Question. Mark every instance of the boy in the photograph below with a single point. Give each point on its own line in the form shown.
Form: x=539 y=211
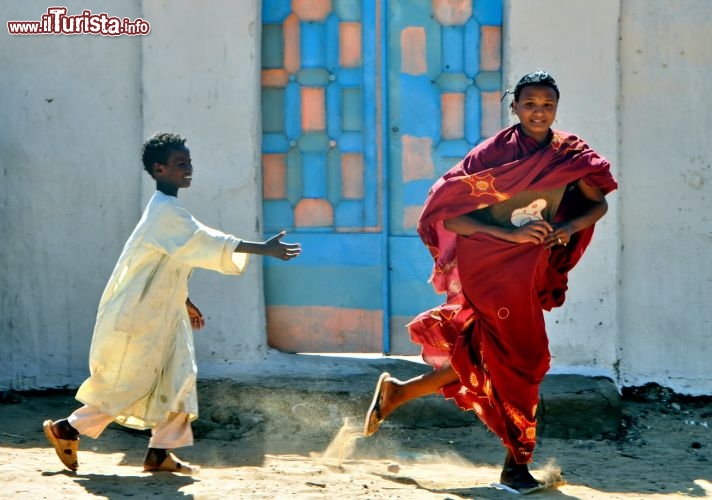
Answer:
x=142 y=361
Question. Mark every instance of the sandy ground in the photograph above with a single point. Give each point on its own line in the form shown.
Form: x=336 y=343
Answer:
x=664 y=450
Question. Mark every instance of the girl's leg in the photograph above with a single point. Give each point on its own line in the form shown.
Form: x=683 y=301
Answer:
x=392 y=393
x=395 y=392
x=516 y=475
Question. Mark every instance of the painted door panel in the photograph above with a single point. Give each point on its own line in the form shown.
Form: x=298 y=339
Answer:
x=444 y=80
x=321 y=175
x=365 y=103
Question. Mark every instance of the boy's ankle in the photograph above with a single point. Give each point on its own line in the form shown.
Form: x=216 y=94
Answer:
x=63 y=430
x=155 y=456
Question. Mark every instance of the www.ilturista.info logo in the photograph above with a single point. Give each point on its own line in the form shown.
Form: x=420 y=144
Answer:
x=57 y=22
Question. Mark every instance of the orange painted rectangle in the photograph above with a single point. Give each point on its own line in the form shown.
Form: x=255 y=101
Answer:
x=453 y=115
x=491 y=114
x=311 y=10
x=292 y=54
x=324 y=329
x=274 y=169
x=313 y=212
x=490 y=48
x=413 y=51
x=274 y=78
x=452 y=12
x=313 y=109
x=352 y=176
x=411 y=216
x=417 y=158
x=350 y=45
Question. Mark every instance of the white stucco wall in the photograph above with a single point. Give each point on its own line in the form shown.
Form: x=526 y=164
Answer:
x=75 y=110
x=666 y=215
x=583 y=58
x=633 y=79
x=70 y=123
x=201 y=78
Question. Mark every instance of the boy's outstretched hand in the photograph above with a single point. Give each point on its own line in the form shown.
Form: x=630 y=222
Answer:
x=275 y=247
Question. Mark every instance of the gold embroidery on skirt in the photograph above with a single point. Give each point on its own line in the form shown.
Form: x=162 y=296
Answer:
x=478 y=408
x=488 y=388
x=530 y=433
x=526 y=426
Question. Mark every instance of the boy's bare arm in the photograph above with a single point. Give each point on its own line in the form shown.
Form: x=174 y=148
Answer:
x=273 y=247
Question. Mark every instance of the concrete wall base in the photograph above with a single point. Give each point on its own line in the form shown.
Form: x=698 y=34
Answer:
x=321 y=390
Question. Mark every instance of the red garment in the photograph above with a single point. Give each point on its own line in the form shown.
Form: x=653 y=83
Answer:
x=491 y=329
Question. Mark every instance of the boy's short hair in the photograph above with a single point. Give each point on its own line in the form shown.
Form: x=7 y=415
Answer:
x=156 y=149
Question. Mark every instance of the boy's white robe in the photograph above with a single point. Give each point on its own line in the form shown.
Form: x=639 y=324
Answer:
x=142 y=360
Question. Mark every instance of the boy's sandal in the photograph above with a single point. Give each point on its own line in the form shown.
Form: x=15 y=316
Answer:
x=66 y=449
x=171 y=464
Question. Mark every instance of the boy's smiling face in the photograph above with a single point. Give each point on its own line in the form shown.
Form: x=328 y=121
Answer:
x=176 y=173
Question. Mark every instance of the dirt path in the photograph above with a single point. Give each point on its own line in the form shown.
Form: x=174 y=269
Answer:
x=665 y=451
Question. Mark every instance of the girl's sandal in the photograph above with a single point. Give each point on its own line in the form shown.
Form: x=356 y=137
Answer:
x=373 y=415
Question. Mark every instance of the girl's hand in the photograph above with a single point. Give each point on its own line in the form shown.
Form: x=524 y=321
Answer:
x=274 y=247
x=196 y=317
x=537 y=232
x=561 y=235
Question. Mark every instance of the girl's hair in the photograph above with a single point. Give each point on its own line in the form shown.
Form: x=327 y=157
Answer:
x=157 y=148
x=536 y=78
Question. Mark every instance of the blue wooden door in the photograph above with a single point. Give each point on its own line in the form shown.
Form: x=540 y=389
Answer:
x=444 y=86
x=364 y=104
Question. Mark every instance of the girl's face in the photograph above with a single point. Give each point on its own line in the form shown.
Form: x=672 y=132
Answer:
x=536 y=109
